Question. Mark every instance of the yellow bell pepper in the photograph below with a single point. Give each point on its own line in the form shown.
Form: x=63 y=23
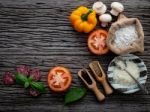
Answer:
x=83 y=19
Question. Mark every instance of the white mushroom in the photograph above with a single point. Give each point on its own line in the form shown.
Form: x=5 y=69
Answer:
x=117 y=8
x=105 y=19
x=99 y=8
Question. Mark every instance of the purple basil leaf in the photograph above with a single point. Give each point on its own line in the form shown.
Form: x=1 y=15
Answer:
x=34 y=92
x=35 y=74
x=8 y=78
x=23 y=70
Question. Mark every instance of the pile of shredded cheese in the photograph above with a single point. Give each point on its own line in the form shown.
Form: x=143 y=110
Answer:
x=122 y=77
x=125 y=36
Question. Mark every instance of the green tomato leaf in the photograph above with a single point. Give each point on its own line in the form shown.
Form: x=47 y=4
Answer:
x=21 y=79
x=38 y=86
x=75 y=94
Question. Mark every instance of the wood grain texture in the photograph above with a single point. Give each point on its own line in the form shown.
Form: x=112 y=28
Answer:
x=37 y=33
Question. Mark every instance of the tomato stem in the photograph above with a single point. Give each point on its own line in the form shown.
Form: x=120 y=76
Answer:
x=84 y=17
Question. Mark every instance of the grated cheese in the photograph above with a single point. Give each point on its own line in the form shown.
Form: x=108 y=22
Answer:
x=122 y=77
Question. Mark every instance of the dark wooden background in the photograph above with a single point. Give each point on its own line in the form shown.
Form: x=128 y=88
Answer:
x=37 y=33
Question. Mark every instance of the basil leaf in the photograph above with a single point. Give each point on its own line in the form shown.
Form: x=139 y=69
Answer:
x=21 y=79
x=75 y=94
x=26 y=85
x=30 y=79
x=38 y=86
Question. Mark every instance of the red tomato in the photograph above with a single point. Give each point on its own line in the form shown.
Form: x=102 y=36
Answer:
x=97 y=42
x=59 y=79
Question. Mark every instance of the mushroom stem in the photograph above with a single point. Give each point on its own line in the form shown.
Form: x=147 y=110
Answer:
x=117 y=8
x=104 y=24
x=114 y=12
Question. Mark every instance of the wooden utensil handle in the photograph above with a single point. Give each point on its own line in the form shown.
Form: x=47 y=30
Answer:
x=107 y=88
x=100 y=96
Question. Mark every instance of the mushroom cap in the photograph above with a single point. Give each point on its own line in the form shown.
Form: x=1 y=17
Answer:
x=99 y=7
x=117 y=6
x=105 y=18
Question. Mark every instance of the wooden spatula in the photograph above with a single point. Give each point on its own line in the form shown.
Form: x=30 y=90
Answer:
x=90 y=83
x=100 y=76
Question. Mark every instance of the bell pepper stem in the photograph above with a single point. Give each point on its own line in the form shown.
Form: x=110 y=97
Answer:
x=84 y=17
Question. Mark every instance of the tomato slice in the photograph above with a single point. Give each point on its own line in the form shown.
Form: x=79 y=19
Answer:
x=59 y=79
x=97 y=42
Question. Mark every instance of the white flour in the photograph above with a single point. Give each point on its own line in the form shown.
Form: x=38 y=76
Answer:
x=125 y=36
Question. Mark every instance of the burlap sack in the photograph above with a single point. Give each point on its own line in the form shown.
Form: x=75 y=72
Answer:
x=136 y=46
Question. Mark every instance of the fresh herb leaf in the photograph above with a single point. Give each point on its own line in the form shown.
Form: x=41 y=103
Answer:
x=38 y=86
x=75 y=94
x=21 y=79
x=26 y=85
x=30 y=79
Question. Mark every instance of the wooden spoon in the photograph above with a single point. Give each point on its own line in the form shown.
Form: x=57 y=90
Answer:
x=100 y=76
x=90 y=83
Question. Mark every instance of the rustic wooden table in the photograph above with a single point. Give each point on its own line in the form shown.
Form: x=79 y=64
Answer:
x=37 y=33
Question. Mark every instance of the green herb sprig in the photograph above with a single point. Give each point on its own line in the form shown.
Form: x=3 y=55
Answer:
x=28 y=82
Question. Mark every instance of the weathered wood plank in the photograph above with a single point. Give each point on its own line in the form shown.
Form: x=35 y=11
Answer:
x=37 y=33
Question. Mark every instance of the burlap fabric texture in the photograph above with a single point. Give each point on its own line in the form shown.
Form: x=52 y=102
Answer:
x=136 y=46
